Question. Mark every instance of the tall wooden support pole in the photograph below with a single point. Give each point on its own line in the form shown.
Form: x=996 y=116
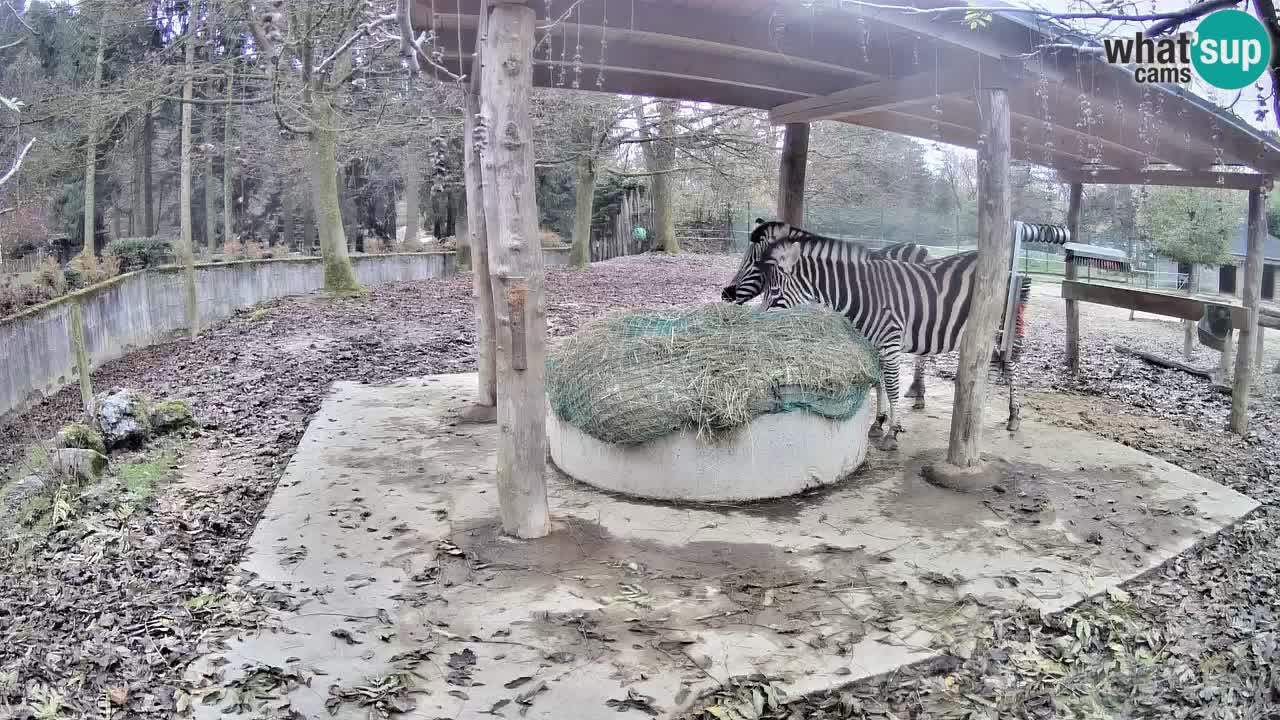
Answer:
x=1252 y=296
x=964 y=451
x=516 y=270
x=791 y=172
x=481 y=290
x=1072 y=272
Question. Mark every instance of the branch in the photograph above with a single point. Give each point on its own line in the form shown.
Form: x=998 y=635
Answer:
x=17 y=163
x=408 y=48
x=620 y=173
x=1187 y=14
x=362 y=31
x=1027 y=11
x=1267 y=13
x=219 y=101
x=275 y=101
x=18 y=16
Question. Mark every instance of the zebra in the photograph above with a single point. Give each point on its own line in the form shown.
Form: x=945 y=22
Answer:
x=1023 y=234
x=919 y=308
x=748 y=284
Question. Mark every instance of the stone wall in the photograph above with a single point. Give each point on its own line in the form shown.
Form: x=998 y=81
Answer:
x=141 y=308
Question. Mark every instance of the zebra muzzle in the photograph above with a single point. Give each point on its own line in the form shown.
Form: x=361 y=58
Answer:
x=729 y=294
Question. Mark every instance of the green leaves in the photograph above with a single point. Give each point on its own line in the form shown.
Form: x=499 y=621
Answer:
x=1190 y=225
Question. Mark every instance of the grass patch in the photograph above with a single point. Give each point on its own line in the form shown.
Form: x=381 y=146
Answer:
x=258 y=315
x=141 y=477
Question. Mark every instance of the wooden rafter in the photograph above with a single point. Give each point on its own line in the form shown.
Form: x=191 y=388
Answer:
x=1177 y=178
x=895 y=92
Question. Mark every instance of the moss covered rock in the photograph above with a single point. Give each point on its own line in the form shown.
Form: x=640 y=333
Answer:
x=124 y=417
x=171 y=415
x=79 y=464
x=79 y=435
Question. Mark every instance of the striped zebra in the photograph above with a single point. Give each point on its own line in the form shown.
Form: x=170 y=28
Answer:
x=1023 y=234
x=748 y=284
x=914 y=307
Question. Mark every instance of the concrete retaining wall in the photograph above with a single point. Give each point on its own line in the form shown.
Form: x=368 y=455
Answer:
x=142 y=308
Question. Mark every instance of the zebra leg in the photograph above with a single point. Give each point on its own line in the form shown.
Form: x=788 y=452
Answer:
x=917 y=383
x=1010 y=368
x=882 y=404
x=889 y=380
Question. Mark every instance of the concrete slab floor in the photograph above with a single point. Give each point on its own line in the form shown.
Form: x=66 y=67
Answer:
x=384 y=529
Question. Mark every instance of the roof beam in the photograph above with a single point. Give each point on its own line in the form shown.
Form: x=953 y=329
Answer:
x=1176 y=178
x=895 y=92
x=953 y=134
x=752 y=37
x=625 y=81
x=632 y=54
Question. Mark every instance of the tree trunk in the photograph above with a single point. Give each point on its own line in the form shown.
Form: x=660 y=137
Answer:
x=91 y=148
x=964 y=450
x=481 y=289
x=309 y=231
x=286 y=210
x=186 y=249
x=137 y=217
x=584 y=197
x=412 y=215
x=339 y=275
x=791 y=173
x=228 y=164
x=664 y=152
x=210 y=207
x=1251 y=297
x=149 y=219
x=510 y=204
x=1074 y=204
x=1189 y=326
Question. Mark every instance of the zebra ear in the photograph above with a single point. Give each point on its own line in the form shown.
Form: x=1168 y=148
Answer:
x=786 y=254
x=759 y=221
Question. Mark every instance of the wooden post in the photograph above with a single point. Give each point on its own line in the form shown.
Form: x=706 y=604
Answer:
x=1225 y=359
x=516 y=267
x=1189 y=326
x=81 y=348
x=1261 y=349
x=791 y=172
x=481 y=291
x=964 y=451
x=1072 y=272
x=1252 y=296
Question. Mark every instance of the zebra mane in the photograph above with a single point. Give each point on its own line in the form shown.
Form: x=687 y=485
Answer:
x=900 y=252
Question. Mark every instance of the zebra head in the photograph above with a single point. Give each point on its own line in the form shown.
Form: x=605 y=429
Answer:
x=777 y=271
x=749 y=281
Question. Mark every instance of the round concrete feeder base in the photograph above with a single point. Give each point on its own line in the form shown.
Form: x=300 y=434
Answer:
x=774 y=456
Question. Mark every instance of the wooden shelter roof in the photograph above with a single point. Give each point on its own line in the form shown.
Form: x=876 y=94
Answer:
x=913 y=73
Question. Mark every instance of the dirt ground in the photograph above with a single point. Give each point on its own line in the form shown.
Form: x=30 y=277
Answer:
x=1194 y=639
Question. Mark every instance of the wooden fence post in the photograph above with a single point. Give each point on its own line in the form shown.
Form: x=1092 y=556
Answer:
x=516 y=268
x=481 y=291
x=991 y=277
x=791 y=173
x=81 y=348
x=1073 y=308
x=1251 y=296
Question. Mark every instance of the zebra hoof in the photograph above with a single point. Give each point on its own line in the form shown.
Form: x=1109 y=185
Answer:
x=889 y=444
x=1013 y=424
x=875 y=431
x=918 y=404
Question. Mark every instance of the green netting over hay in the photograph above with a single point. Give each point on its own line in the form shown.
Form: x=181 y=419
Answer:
x=636 y=376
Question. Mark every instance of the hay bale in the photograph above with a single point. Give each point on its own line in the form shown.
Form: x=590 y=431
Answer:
x=637 y=376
